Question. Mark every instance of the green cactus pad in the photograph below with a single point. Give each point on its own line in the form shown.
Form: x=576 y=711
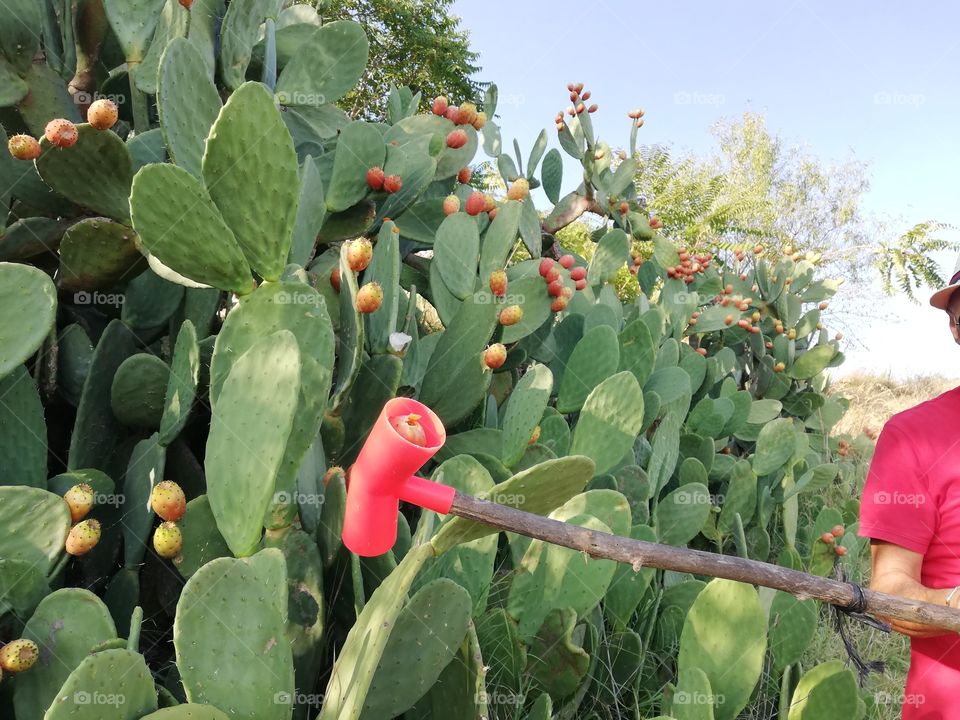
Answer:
x=311 y=212
x=638 y=352
x=251 y=173
x=385 y=270
x=173 y=24
x=456 y=379
x=28 y=303
x=48 y=99
x=248 y=435
x=503 y=652
x=350 y=335
x=376 y=383
x=827 y=692
x=693 y=698
x=539 y=490
x=35 y=522
x=776 y=444
x=359 y=148
x=95 y=173
x=136 y=395
x=681 y=514
x=188 y=103
x=460 y=691
x=23 y=431
x=238 y=36
x=792 y=625
x=202 y=542
x=326 y=67
x=628 y=585
x=119 y=674
x=422 y=642
x=354 y=670
x=182 y=385
x=524 y=409
x=740 y=497
x=595 y=357
x=133 y=22
x=557 y=662
x=725 y=636
x=30 y=237
x=330 y=528
x=97 y=253
x=20 y=22
x=455 y=253
x=66 y=626
x=609 y=421
x=224 y=592
x=144 y=470
x=158 y=202
x=188 y=711
x=500 y=237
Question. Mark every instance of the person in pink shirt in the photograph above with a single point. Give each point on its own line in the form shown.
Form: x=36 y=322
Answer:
x=911 y=513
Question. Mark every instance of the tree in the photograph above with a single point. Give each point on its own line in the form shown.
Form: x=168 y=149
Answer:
x=418 y=43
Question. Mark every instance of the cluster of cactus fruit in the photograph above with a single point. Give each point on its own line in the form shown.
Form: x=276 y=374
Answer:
x=209 y=291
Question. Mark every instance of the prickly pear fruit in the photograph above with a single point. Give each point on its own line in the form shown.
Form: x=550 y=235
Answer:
x=369 y=298
x=186 y=3
x=102 y=114
x=331 y=473
x=359 y=254
x=840 y=550
x=392 y=183
x=168 y=501
x=546 y=265
x=79 y=499
x=410 y=429
x=519 y=190
x=464 y=175
x=24 y=147
x=558 y=305
x=375 y=178
x=535 y=436
x=511 y=315
x=480 y=120
x=495 y=355
x=440 y=105
x=828 y=538
x=567 y=261
x=578 y=273
x=335 y=279
x=451 y=113
x=83 y=537
x=655 y=223
x=61 y=133
x=498 y=283
x=581 y=284
x=451 y=205
x=18 y=655
x=837 y=531
x=555 y=288
x=476 y=203
x=457 y=139
x=167 y=540
x=466 y=114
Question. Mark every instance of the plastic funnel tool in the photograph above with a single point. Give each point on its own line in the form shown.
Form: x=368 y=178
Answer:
x=383 y=475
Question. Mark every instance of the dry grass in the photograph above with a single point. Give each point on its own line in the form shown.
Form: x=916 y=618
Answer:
x=874 y=398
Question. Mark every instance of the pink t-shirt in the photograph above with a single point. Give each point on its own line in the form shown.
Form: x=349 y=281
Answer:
x=912 y=499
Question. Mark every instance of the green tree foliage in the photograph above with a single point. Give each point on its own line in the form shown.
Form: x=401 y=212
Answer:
x=418 y=43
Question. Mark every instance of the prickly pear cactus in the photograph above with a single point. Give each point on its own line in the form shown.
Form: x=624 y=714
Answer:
x=182 y=299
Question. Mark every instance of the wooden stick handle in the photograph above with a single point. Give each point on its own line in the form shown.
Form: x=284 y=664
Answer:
x=639 y=553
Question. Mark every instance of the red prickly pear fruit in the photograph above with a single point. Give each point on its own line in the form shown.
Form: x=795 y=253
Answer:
x=332 y=473
x=586 y=96
x=581 y=284
x=593 y=108
x=457 y=138
x=779 y=367
x=702 y=351
x=578 y=273
x=511 y=315
x=546 y=265
x=519 y=190
x=489 y=203
x=624 y=207
x=451 y=113
x=80 y=500
x=359 y=254
x=375 y=178
x=656 y=223
x=840 y=550
x=567 y=261
x=555 y=288
x=392 y=183
x=580 y=108
x=837 y=530
x=498 y=283
x=728 y=320
x=559 y=304
x=476 y=203
x=451 y=205
x=335 y=279
x=534 y=436
x=553 y=274
x=83 y=537
x=491 y=214
x=745 y=324
x=167 y=540
x=410 y=429
x=24 y=147
x=61 y=133
x=440 y=105
x=828 y=538
x=369 y=298
x=463 y=177
x=18 y=655
x=495 y=356
x=567 y=293
x=168 y=501
x=186 y=3
x=466 y=114
x=578 y=87
x=102 y=114
x=480 y=120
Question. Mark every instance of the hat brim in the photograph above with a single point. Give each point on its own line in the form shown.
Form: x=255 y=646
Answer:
x=941 y=298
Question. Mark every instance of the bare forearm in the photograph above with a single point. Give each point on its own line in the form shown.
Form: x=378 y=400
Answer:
x=900 y=583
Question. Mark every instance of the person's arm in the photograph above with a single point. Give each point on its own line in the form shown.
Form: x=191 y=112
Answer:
x=896 y=571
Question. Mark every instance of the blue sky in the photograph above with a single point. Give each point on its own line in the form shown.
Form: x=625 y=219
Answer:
x=877 y=82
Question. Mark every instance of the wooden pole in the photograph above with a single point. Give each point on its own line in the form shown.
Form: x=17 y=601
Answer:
x=639 y=553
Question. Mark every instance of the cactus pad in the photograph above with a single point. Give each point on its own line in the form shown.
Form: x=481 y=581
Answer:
x=23 y=431
x=97 y=253
x=28 y=303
